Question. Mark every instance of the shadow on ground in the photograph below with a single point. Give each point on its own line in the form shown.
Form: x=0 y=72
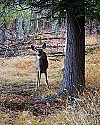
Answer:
x=22 y=97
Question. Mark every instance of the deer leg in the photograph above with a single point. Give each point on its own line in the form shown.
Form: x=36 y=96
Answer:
x=46 y=79
x=38 y=79
x=37 y=82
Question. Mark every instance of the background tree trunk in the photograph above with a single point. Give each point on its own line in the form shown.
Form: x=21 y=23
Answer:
x=90 y=26
x=19 y=29
x=37 y=22
x=26 y=28
x=2 y=36
x=74 y=67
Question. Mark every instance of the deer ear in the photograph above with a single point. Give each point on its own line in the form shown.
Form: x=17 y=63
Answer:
x=33 y=48
x=44 y=46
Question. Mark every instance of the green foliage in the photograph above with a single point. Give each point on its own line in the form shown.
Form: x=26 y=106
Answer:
x=41 y=42
x=92 y=9
x=12 y=9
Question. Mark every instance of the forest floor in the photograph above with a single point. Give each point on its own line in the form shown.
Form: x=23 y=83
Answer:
x=22 y=104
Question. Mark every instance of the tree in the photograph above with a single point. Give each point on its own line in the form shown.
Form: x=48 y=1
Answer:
x=74 y=66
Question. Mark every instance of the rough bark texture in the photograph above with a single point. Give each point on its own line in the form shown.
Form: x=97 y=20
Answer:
x=74 y=67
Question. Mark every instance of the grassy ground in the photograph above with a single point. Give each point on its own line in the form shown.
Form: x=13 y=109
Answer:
x=18 y=97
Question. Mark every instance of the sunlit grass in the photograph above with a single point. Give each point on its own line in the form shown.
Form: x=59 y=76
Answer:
x=92 y=68
x=17 y=70
x=91 y=39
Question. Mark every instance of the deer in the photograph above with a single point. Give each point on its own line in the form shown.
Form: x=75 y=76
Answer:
x=41 y=63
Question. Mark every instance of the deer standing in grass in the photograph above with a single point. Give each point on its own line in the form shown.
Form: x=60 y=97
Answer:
x=41 y=63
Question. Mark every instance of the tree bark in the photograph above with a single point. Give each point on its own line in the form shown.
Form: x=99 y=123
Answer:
x=74 y=65
x=2 y=35
x=26 y=28
x=18 y=29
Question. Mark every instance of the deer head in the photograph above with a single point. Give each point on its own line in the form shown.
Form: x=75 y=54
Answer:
x=39 y=50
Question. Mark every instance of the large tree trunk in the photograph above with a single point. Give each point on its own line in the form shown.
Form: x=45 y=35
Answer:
x=74 y=67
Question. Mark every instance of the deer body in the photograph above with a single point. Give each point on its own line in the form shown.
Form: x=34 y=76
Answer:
x=41 y=63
